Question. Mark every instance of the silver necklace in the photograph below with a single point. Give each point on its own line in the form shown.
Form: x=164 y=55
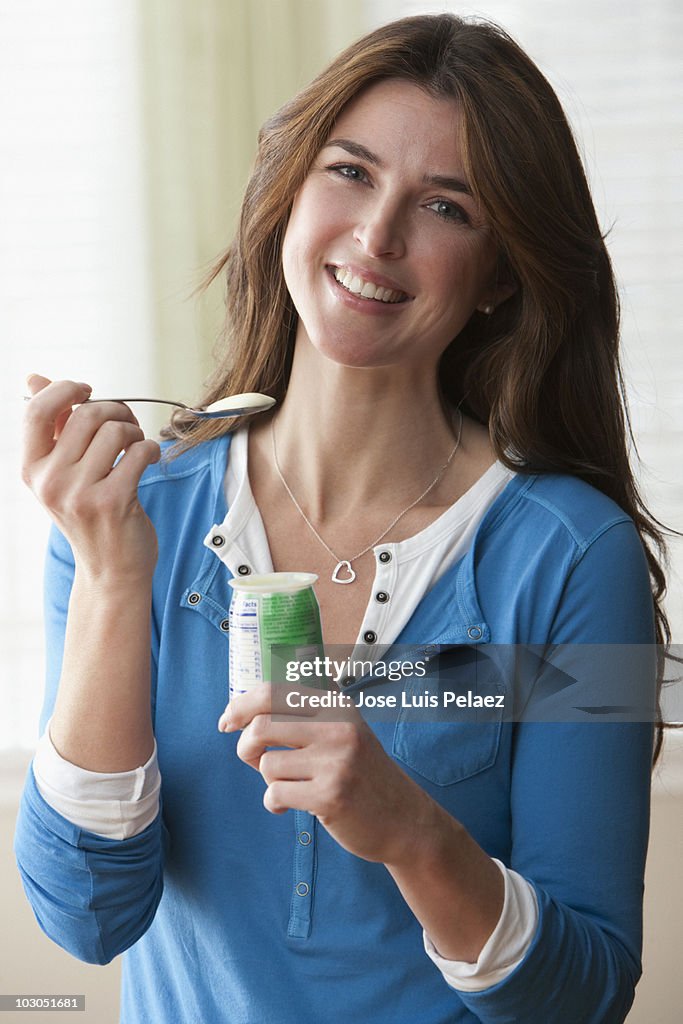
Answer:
x=344 y=564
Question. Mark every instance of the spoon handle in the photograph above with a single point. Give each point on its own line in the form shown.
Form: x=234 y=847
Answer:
x=158 y=401
x=225 y=408
x=224 y=413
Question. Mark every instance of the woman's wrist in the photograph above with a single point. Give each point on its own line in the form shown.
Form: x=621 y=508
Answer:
x=112 y=582
x=453 y=887
x=432 y=831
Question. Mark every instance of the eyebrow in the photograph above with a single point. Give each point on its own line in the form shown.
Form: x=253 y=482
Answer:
x=363 y=153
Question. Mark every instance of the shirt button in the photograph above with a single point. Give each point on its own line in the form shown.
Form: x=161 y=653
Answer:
x=302 y=889
x=385 y=556
x=370 y=636
x=225 y=625
x=194 y=598
x=304 y=838
x=474 y=633
x=347 y=680
x=381 y=596
x=243 y=570
x=218 y=541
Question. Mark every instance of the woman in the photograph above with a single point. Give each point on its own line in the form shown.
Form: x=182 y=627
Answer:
x=420 y=280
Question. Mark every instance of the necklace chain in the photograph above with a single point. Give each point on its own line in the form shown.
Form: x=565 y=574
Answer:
x=344 y=564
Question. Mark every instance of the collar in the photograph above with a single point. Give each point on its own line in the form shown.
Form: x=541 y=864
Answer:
x=453 y=600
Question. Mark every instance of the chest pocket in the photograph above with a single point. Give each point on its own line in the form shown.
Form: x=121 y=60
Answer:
x=453 y=739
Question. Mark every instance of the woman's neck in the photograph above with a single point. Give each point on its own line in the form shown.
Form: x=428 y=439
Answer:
x=347 y=438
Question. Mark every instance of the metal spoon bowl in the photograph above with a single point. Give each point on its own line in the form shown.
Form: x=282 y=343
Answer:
x=225 y=408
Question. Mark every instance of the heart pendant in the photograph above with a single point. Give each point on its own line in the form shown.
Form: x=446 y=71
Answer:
x=343 y=566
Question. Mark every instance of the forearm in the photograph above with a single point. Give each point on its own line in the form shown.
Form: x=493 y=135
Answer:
x=102 y=716
x=452 y=886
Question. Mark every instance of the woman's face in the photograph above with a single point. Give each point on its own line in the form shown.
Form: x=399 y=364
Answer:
x=386 y=254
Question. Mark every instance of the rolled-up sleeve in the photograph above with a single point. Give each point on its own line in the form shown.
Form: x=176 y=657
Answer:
x=91 y=895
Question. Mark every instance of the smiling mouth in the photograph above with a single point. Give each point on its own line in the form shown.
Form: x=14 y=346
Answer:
x=366 y=289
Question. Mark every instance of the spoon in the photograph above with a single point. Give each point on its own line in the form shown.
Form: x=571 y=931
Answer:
x=235 y=405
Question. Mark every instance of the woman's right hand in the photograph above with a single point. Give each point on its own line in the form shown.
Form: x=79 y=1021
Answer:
x=68 y=462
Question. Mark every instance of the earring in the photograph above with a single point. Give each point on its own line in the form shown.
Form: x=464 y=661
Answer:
x=488 y=308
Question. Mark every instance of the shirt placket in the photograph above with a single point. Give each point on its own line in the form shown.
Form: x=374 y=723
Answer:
x=303 y=879
x=299 y=924
x=378 y=610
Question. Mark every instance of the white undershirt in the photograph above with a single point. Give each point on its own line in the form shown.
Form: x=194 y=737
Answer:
x=119 y=805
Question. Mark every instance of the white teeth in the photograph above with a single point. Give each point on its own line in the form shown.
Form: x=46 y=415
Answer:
x=365 y=289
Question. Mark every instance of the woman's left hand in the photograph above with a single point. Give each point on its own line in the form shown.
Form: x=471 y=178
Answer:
x=334 y=768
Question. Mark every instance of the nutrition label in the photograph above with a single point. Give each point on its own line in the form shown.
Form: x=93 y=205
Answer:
x=246 y=663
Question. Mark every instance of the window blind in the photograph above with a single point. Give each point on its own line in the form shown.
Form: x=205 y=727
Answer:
x=73 y=269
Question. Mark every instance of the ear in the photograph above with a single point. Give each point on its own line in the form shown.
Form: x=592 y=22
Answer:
x=502 y=285
x=498 y=295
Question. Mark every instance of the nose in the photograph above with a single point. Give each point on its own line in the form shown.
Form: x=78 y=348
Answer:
x=379 y=230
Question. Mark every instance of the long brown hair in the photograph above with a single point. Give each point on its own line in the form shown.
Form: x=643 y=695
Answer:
x=543 y=370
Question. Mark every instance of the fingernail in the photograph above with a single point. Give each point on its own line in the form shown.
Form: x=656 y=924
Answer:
x=87 y=387
x=225 y=721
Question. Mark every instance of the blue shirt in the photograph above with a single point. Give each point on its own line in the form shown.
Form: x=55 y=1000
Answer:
x=231 y=914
